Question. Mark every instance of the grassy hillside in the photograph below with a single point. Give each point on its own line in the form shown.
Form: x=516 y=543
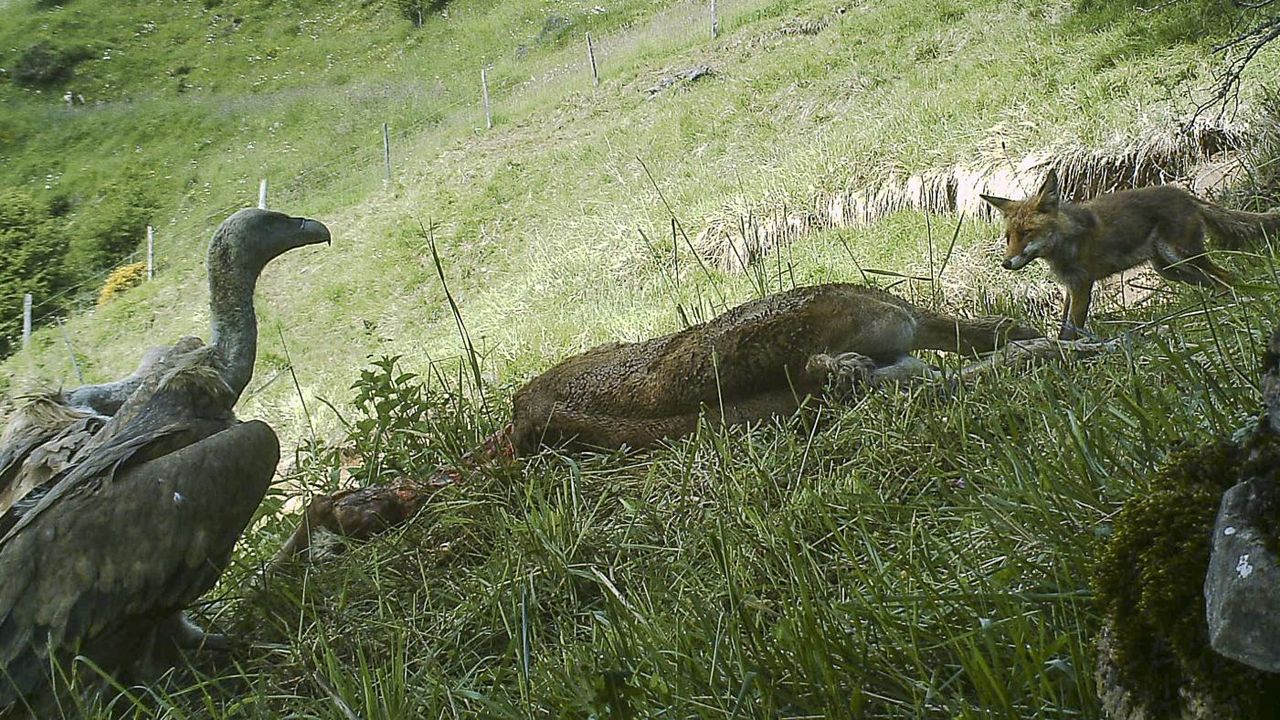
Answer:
x=542 y=215
x=913 y=557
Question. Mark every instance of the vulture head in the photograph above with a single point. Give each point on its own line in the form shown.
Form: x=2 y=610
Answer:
x=241 y=247
x=127 y=520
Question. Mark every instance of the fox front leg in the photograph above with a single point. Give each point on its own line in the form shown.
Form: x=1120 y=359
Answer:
x=1076 y=311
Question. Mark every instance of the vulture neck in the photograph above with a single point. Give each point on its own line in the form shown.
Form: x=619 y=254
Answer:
x=234 y=325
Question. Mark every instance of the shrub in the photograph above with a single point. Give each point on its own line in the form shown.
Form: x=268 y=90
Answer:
x=32 y=250
x=395 y=410
x=44 y=64
x=121 y=279
x=415 y=10
x=110 y=226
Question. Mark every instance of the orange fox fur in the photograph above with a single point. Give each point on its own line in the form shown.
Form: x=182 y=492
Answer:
x=1086 y=242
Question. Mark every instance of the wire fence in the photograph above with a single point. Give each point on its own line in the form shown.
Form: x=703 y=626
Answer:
x=578 y=68
x=80 y=297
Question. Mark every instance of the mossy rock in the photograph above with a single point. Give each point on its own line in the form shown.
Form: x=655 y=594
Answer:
x=1150 y=587
x=121 y=279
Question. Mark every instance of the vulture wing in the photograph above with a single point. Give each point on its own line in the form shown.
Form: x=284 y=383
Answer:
x=38 y=442
x=183 y=402
x=49 y=430
x=106 y=399
x=33 y=467
x=129 y=553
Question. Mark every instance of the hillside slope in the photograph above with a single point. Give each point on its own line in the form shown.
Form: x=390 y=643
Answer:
x=542 y=216
x=913 y=556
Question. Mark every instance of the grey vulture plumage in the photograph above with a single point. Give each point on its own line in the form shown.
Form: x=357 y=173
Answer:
x=150 y=481
x=49 y=428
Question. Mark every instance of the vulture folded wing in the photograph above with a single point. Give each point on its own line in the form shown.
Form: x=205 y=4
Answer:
x=107 y=398
x=186 y=402
x=36 y=469
x=86 y=475
x=130 y=552
x=40 y=437
x=50 y=432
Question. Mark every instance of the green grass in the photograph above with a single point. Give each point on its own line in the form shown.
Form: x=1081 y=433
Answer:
x=909 y=557
x=542 y=216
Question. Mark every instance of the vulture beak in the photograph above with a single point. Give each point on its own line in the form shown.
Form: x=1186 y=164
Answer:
x=316 y=232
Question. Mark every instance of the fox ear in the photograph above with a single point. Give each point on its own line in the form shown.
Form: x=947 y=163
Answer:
x=1004 y=205
x=1047 y=196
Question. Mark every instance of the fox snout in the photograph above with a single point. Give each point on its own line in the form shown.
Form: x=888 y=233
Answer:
x=1017 y=262
x=1018 y=253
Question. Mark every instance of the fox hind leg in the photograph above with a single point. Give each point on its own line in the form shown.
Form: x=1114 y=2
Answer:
x=1186 y=261
x=1193 y=269
x=967 y=336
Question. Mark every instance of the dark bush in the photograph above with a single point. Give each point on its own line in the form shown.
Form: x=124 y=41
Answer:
x=43 y=64
x=553 y=28
x=415 y=11
x=32 y=248
x=110 y=226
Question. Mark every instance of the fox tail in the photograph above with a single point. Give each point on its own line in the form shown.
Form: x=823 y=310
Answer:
x=1232 y=229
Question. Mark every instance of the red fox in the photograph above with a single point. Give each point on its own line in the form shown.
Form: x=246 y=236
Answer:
x=1086 y=242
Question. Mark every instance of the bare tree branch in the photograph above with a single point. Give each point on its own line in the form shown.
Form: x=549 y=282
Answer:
x=1226 y=92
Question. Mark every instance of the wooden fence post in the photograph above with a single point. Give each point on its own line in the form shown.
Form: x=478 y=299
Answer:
x=484 y=89
x=262 y=194
x=715 y=21
x=151 y=253
x=591 y=55
x=26 y=320
x=386 y=151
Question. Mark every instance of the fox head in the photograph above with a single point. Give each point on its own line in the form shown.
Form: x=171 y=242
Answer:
x=1030 y=224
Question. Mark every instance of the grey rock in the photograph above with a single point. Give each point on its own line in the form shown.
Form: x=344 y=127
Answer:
x=688 y=75
x=1242 y=585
